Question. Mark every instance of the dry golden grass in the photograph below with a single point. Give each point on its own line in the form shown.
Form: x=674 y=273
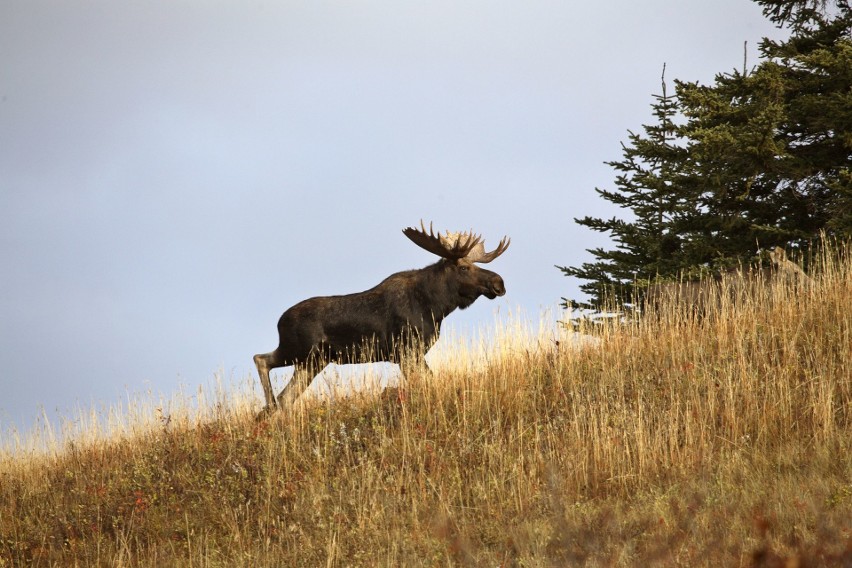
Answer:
x=719 y=442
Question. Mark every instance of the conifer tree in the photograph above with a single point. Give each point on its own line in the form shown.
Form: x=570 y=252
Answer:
x=759 y=158
x=649 y=243
x=773 y=148
x=816 y=66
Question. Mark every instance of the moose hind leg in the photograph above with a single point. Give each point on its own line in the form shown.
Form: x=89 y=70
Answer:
x=264 y=363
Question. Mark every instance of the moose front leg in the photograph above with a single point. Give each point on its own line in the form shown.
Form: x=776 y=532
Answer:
x=412 y=367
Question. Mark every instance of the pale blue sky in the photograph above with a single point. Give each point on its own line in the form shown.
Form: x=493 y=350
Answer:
x=173 y=175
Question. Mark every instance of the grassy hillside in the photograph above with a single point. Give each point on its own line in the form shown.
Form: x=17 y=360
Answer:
x=721 y=442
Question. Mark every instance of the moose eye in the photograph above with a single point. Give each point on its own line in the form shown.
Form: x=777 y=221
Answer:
x=464 y=268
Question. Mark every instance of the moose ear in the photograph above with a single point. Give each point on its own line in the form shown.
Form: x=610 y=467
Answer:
x=777 y=256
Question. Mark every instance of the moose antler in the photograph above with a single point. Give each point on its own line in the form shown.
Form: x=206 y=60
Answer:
x=479 y=255
x=438 y=245
x=455 y=245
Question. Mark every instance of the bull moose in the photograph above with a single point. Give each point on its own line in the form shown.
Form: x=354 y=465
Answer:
x=400 y=316
x=702 y=294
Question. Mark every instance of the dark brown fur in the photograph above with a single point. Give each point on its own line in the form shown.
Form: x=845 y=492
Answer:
x=400 y=316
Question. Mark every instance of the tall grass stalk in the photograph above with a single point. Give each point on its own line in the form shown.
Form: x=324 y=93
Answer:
x=676 y=439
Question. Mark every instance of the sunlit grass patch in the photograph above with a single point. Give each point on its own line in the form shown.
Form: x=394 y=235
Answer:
x=673 y=440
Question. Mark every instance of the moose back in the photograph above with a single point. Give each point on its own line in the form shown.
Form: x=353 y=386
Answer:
x=402 y=315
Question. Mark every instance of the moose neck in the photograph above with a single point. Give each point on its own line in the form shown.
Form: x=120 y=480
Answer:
x=438 y=294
